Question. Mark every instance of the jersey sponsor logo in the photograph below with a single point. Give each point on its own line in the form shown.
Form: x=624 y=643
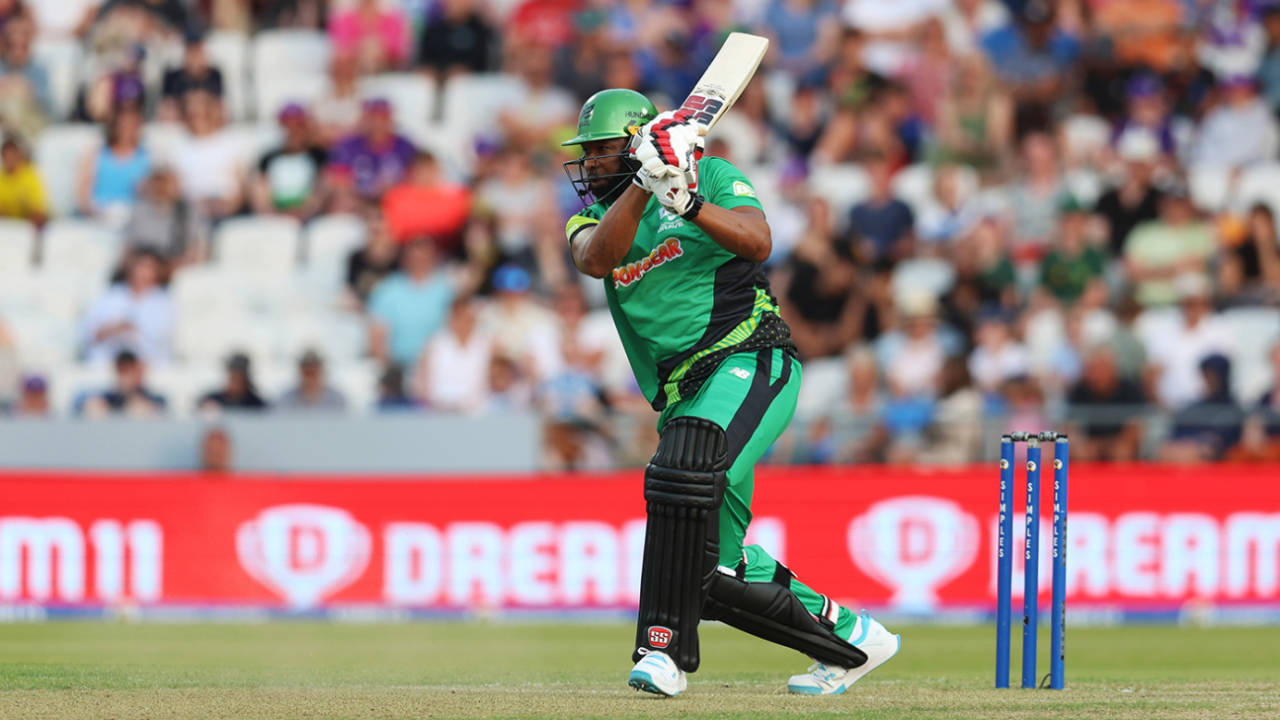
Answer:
x=742 y=189
x=660 y=637
x=630 y=273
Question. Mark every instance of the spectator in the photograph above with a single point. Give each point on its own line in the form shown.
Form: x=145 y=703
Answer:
x=289 y=176
x=216 y=451
x=110 y=175
x=425 y=203
x=975 y=117
x=33 y=400
x=862 y=407
x=1034 y=197
x=595 y=339
x=522 y=329
x=195 y=73
x=311 y=392
x=135 y=315
x=804 y=36
x=952 y=437
x=159 y=16
x=65 y=19
x=998 y=356
x=1174 y=352
x=337 y=114
x=968 y=21
x=1135 y=200
x=950 y=212
x=373 y=32
x=1249 y=268
x=408 y=306
x=129 y=396
x=1147 y=115
x=913 y=357
x=460 y=40
x=522 y=201
x=1206 y=429
x=1146 y=33
x=165 y=223
x=1269 y=70
x=238 y=391
x=392 y=396
x=25 y=95
x=208 y=161
x=818 y=284
x=580 y=67
x=1105 y=411
x=509 y=389
x=1073 y=262
x=985 y=275
x=882 y=222
x=453 y=374
x=1033 y=55
x=122 y=85
x=364 y=165
x=1175 y=243
x=379 y=257
x=21 y=192
x=537 y=110
x=1240 y=130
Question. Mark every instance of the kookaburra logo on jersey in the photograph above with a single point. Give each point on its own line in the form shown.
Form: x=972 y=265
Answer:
x=668 y=249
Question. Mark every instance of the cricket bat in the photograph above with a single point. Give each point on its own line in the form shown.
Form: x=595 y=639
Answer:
x=725 y=78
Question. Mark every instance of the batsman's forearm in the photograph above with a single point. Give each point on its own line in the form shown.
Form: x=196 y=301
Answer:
x=598 y=250
x=742 y=231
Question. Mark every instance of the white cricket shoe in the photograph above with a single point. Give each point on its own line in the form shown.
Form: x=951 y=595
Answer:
x=871 y=638
x=658 y=674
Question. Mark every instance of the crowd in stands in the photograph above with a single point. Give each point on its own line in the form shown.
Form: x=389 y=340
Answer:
x=1037 y=213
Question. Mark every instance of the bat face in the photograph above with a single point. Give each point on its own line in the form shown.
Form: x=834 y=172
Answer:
x=726 y=77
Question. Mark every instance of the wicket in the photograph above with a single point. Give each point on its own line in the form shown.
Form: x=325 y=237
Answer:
x=1031 y=559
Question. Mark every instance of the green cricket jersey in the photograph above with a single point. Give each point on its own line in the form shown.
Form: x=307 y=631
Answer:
x=680 y=301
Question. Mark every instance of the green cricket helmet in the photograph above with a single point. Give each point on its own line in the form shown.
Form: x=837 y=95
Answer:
x=609 y=114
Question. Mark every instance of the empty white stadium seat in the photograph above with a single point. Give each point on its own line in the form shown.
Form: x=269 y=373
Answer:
x=340 y=337
x=62 y=59
x=1258 y=184
x=358 y=383
x=932 y=275
x=255 y=139
x=412 y=95
x=17 y=246
x=66 y=382
x=288 y=65
x=212 y=335
x=229 y=52
x=843 y=186
x=1254 y=331
x=182 y=385
x=302 y=88
x=332 y=238
x=471 y=102
x=263 y=244
x=163 y=140
x=1210 y=187
x=59 y=150
x=80 y=246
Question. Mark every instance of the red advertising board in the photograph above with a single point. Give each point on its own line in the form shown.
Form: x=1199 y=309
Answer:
x=1140 y=538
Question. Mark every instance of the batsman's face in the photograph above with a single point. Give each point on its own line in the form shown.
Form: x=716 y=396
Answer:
x=600 y=160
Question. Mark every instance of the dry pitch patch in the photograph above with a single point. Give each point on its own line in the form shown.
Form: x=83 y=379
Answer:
x=281 y=671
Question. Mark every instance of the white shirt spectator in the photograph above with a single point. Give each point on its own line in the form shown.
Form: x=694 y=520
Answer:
x=454 y=373
x=886 y=19
x=992 y=365
x=1236 y=135
x=209 y=167
x=60 y=18
x=1178 y=349
x=149 y=316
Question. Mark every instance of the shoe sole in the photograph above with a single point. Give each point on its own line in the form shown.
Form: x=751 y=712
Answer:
x=810 y=690
x=641 y=680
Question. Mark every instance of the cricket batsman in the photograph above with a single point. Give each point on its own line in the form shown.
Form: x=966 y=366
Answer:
x=679 y=239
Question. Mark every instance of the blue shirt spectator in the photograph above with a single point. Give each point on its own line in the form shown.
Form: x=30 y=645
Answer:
x=409 y=306
x=882 y=220
x=374 y=159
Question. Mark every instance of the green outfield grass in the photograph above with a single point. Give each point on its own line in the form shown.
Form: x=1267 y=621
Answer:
x=288 y=670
